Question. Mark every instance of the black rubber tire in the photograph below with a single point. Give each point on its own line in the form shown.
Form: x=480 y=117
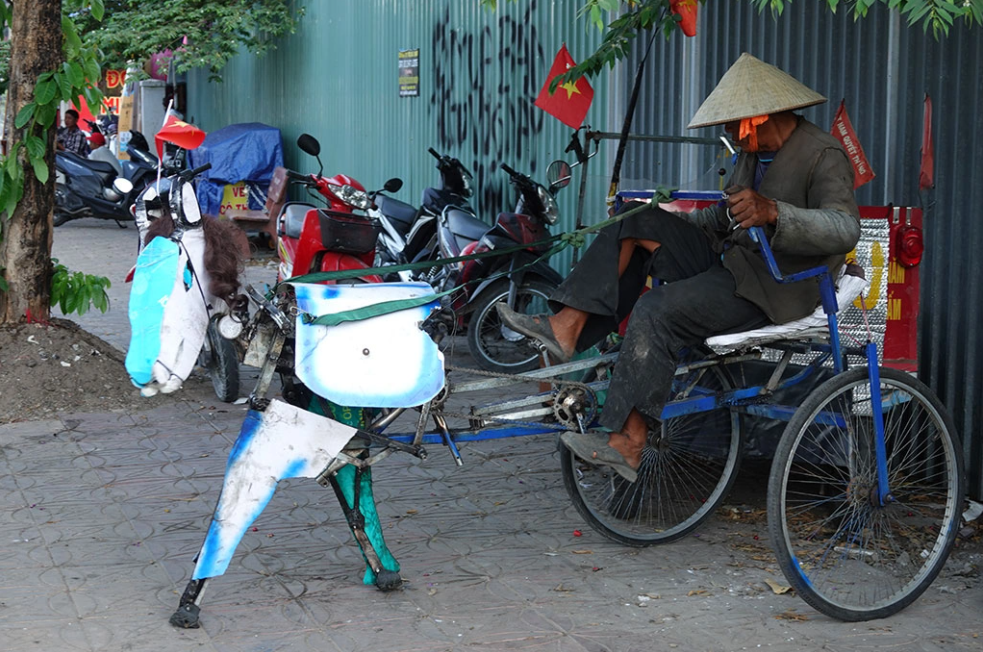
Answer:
x=823 y=514
x=219 y=358
x=657 y=507
x=489 y=348
x=61 y=218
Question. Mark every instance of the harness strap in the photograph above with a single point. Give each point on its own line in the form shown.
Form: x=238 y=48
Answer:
x=575 y=238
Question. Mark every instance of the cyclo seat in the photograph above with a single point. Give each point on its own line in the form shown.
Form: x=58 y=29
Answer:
x=849 y=285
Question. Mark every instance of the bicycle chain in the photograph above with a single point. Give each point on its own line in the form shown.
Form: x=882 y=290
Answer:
x=557 y=384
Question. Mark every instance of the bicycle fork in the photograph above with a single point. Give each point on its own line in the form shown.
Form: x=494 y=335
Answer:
x=877 y=412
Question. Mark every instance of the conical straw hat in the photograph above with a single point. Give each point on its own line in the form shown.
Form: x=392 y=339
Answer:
x=751 y=88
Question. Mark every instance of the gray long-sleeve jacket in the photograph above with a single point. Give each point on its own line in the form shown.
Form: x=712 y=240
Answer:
x=818 y=223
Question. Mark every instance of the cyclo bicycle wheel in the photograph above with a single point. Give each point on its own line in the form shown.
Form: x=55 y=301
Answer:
x=846 y=555
x=688 y=466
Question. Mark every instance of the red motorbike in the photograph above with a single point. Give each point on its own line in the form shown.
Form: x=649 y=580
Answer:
x=335 y=237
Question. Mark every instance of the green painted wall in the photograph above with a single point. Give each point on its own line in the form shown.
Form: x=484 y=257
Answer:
x=480 y=71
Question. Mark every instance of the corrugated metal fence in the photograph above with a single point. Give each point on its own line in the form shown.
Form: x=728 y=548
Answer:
x=480 y=71
x=883 y=70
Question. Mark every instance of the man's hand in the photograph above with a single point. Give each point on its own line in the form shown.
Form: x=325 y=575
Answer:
x=747 y=208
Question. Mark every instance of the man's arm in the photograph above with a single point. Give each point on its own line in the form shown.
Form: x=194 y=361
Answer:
x=831 y=223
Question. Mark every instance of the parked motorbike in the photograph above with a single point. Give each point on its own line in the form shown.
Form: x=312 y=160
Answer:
x=87 y=188
x=523 y=279
x=313 y=239
x=410 y=234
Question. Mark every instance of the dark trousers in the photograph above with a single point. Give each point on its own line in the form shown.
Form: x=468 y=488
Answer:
x=697 y=301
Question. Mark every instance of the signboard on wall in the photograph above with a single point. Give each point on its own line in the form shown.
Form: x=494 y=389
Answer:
x=409 y=73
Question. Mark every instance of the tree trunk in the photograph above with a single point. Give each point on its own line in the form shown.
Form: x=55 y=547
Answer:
x=25 y=252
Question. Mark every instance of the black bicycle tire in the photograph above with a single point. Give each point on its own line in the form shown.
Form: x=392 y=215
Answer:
x=223 y=365
x=777 y=524
x=609 y=529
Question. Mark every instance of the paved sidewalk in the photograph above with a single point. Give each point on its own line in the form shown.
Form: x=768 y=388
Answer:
x=103 y=514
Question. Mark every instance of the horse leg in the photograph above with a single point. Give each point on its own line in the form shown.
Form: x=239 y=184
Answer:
x=353 y=486
x=188 y=611
x=281 y=442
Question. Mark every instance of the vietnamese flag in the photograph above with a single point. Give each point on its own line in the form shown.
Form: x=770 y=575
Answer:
x=179 y=133
x=926 y=171
x=686 y=10
x=570 y=102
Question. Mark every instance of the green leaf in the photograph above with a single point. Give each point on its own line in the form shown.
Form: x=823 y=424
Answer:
x=35 y=147
x=40 y=169
x=76 y=74
x=24 y=115
x=45 y=114
x=90 y=66
x=45 y=92
x=72 y=41
x=98 y=9
x=65 y=85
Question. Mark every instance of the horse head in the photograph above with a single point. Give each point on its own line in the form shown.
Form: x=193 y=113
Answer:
x=186 y=274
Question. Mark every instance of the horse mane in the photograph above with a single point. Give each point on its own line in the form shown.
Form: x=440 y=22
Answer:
x=222 y=258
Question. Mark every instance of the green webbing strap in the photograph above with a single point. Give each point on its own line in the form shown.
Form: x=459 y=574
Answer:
x=386 y=307
x=573 y=238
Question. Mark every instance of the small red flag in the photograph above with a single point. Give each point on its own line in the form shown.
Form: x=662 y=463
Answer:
x=686 y=10
x=926 y=173
x=179 y=133
x=570 y=102
x=843 y=131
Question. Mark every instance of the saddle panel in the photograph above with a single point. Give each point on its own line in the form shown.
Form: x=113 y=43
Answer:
x=384 y=361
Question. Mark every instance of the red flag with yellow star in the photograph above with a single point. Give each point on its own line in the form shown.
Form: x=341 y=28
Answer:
x=570 y=102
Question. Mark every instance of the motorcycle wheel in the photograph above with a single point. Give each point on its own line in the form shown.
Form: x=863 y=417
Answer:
x=496 y=348
x=219 y=358
x=60 y=193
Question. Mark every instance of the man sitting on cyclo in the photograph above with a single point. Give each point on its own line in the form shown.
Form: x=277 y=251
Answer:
x=791 y=178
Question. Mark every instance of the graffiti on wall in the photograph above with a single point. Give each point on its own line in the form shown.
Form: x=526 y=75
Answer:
x=482 y=103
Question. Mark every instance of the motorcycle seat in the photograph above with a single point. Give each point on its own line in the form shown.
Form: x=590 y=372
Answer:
x=293 y=218
x=402 y=214
x=105 y=170
x=465 y=225
x=435 y=200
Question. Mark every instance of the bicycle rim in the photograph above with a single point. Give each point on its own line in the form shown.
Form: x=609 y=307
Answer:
x=848 y=556
x=688 y=466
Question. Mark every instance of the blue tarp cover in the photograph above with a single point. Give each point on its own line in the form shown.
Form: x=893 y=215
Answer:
x=242 y=152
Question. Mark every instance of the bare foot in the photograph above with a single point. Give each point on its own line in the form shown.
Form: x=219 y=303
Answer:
x=629 y=448
x=566 y=326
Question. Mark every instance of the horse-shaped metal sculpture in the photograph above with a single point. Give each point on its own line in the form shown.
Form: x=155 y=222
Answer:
x=309 y=435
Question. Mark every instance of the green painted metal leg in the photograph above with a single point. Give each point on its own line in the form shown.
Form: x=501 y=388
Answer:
x=381 y=568
x=373 y=528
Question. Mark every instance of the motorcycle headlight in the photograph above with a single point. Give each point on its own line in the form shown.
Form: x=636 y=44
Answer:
x=550 y=210
x=466 y=180
x=352 y=196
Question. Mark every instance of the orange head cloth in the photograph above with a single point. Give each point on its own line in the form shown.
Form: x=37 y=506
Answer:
x=749 y=130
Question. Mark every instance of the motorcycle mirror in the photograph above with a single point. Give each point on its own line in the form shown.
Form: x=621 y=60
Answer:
x=558 y=174
x=393 y=185
x=308 y=144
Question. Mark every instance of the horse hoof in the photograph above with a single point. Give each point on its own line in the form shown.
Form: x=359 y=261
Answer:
x=388 y=580
x=186 y=616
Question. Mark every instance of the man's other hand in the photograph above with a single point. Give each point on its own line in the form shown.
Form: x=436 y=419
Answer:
x=747 y=208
